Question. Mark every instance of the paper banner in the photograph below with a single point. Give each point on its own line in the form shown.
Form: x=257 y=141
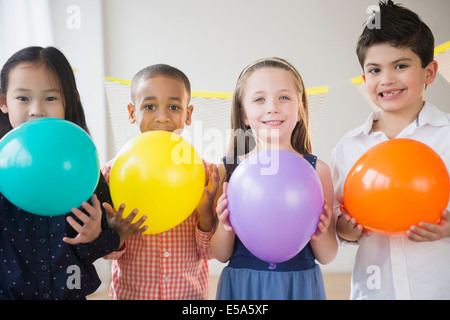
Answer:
x=210 y=128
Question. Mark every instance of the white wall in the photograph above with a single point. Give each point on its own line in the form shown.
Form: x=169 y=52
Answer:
x=212 y=41
x=78 y=33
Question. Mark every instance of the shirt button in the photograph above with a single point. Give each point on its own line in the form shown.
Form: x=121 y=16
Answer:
x=166 y=254
x=43 y=268
x=42 y=240
x=166 y=279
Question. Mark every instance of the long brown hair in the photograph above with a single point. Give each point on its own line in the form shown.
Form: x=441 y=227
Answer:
x=300 y=139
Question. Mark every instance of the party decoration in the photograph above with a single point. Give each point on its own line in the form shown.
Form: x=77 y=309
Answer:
x=161 y=175
x=48 y=166
x=396 y=184
x=275 y=200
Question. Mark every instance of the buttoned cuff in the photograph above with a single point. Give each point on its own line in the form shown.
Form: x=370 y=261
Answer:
x=203 y=241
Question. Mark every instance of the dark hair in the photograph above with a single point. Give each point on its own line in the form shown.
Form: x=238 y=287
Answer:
x=160 y=70
x=399 y=27
x=57 y=62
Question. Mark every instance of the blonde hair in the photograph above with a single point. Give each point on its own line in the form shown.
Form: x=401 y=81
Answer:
x=300 y=139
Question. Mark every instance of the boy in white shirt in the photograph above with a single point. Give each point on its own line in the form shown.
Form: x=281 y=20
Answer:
x=398 y=63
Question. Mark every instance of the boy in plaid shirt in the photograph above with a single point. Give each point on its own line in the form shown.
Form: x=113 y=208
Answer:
x=171 y=264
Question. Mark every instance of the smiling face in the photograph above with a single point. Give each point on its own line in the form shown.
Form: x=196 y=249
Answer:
x=271 y=105
x=160 y=103
x=33 y=92
x=395 y=79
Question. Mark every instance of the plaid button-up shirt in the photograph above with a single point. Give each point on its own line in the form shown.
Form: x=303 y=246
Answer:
x=168 y=265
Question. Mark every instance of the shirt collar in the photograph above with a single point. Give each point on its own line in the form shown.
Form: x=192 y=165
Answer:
x=428 y=115
x=433 y=116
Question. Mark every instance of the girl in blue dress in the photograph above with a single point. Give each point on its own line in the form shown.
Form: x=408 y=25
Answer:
x=270 y=111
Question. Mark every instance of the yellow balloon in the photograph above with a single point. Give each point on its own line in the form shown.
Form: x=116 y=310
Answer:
x=162 y=175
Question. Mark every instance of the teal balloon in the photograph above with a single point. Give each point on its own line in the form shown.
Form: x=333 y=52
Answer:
x=48 y=166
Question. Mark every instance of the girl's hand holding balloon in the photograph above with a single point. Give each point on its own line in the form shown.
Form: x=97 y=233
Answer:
x=222 y=211
x=324 y=222
x=124 y=227
x=430 y=232
x=222 y=242
x=91 y=228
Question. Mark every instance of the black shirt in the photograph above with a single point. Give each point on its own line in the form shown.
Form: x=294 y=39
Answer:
x=36 y=264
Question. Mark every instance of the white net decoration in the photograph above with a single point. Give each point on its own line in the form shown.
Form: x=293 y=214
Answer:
x=209 y=131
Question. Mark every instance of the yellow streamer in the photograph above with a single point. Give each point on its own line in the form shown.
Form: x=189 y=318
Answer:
x=442 y=48
x=220 y=95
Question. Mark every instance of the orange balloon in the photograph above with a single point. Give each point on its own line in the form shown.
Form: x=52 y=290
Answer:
x=396 y=184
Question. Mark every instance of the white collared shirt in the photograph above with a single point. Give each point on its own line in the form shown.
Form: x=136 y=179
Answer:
x=393 y=267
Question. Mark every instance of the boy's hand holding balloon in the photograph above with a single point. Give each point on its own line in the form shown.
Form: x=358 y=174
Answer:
x=205 y=206
x=430 y=232
x=124 y=226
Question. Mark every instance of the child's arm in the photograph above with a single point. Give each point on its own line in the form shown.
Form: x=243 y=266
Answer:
x=323 y=242
x=222 y=242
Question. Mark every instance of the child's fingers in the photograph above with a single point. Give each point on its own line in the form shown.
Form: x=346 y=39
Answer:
x=225 y=187
x=327 y=209
x=222 y=198
x=225 y=221
x=215 y=175
x=139 y=224
x=75 y=225
x=131 y=216
x=94 y=211
x=95 y=201
x=325 y=220
x=221 y=206
x=213 y=184
x=80 y=214
x=109 y=210
x=70 y=241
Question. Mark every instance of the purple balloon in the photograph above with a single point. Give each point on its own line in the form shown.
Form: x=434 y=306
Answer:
x=275 y=201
